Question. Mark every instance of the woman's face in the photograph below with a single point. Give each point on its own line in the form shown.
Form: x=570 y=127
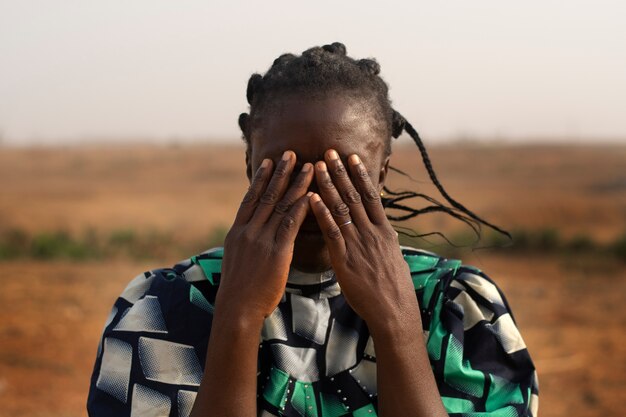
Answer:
x=309 y=127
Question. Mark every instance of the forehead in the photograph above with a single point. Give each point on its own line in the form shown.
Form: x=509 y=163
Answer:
x=310 y=126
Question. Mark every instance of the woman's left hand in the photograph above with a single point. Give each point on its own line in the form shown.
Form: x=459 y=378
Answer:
x=363 y=246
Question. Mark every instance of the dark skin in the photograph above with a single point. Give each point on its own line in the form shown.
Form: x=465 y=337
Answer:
x=317 y=128
x=317 y=164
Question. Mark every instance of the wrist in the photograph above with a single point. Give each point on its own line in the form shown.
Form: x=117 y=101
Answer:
x=399 y=326
x=237 y=319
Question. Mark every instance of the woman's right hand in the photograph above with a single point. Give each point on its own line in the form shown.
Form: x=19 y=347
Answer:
x=258 y=249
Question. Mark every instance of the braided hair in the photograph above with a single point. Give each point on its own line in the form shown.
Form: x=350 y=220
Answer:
x=328 y=69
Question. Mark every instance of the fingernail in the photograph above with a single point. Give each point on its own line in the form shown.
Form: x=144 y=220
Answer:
x=354 y=159
x=321 y=165
x=309 y=194
x=286 y=156
x=315 y=197
x=265 y=163
x=332 y=154
x=306 y=167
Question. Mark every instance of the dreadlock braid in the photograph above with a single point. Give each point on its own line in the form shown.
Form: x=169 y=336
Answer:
x=431 y=173
x=397 y=124
x=369 y=65
x=328 y=69
x=335 y=48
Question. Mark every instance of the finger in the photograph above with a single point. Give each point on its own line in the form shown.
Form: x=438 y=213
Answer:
x=347 y=192
x=332 y=233
x=290 y=223
x=296 y=190
x=369 y=195
x=256 y=189
x=275 y=189
x=339 y=211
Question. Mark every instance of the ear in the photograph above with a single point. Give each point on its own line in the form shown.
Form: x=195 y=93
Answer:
x=248 y=166
x=382 y=175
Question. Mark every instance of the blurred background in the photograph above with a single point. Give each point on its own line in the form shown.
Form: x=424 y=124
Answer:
x=120 y=152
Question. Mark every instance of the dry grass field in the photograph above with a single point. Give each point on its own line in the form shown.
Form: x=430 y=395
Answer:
x=569 y=306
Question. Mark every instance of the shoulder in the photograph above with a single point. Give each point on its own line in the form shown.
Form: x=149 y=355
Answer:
x=462 y=294
x=476 y=350
x=194 y=269
x=159 y=295
x=155 y=339
x=454 y=279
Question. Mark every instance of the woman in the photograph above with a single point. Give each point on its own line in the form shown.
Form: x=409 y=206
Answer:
x=312 y=306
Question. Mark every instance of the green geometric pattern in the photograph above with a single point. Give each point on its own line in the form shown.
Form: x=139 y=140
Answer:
x=436 y=332
x=457 y=405
x=197 y=299
x=332 y=406
x=502 y=393
x=276 y=388
x=458 y=373
x=209 y=267
x=303 y=399
x=367 y=410
x=459 y=304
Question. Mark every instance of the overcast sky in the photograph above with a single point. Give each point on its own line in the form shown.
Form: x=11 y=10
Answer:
x=163 y=70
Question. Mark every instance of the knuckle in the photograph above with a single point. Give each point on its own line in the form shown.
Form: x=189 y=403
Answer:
x=247 y=238
x=326 y=183
x=334 y=233
x=371 y=196
x=353 y=197
x=340 y=209
x=288 y=223
x=281 y=171
x=362 y=173
x=251 y=196
x=339 y=170
x=270 y=197
x=282 y=207
x=386 y=233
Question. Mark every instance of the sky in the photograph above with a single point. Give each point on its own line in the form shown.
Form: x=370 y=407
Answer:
x=154 y=70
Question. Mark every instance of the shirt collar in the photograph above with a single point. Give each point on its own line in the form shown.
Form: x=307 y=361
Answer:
x=298 y=277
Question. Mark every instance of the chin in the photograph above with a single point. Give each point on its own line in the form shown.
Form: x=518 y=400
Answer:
x=310 y=253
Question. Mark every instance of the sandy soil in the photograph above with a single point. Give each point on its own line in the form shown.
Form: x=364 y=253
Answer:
x=569 y=310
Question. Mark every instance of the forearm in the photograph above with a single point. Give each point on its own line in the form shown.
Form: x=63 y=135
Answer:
x=406 y=384
x=228 y=387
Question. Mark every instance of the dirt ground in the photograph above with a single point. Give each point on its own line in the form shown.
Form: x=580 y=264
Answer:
x=569 y=309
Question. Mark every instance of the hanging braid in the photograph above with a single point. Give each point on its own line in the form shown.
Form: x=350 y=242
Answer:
x=431 y=173
x=327 y=69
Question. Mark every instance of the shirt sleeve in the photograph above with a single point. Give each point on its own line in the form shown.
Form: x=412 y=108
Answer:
x=149 y=360
x=479 y=358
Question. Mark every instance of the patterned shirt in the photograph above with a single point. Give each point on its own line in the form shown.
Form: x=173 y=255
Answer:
x=316 y=356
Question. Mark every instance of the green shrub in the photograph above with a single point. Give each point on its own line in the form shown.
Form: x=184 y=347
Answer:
x=548 y=240
x=60 y=244
x=618 y=247
x=125 y=237
x=581 y=243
